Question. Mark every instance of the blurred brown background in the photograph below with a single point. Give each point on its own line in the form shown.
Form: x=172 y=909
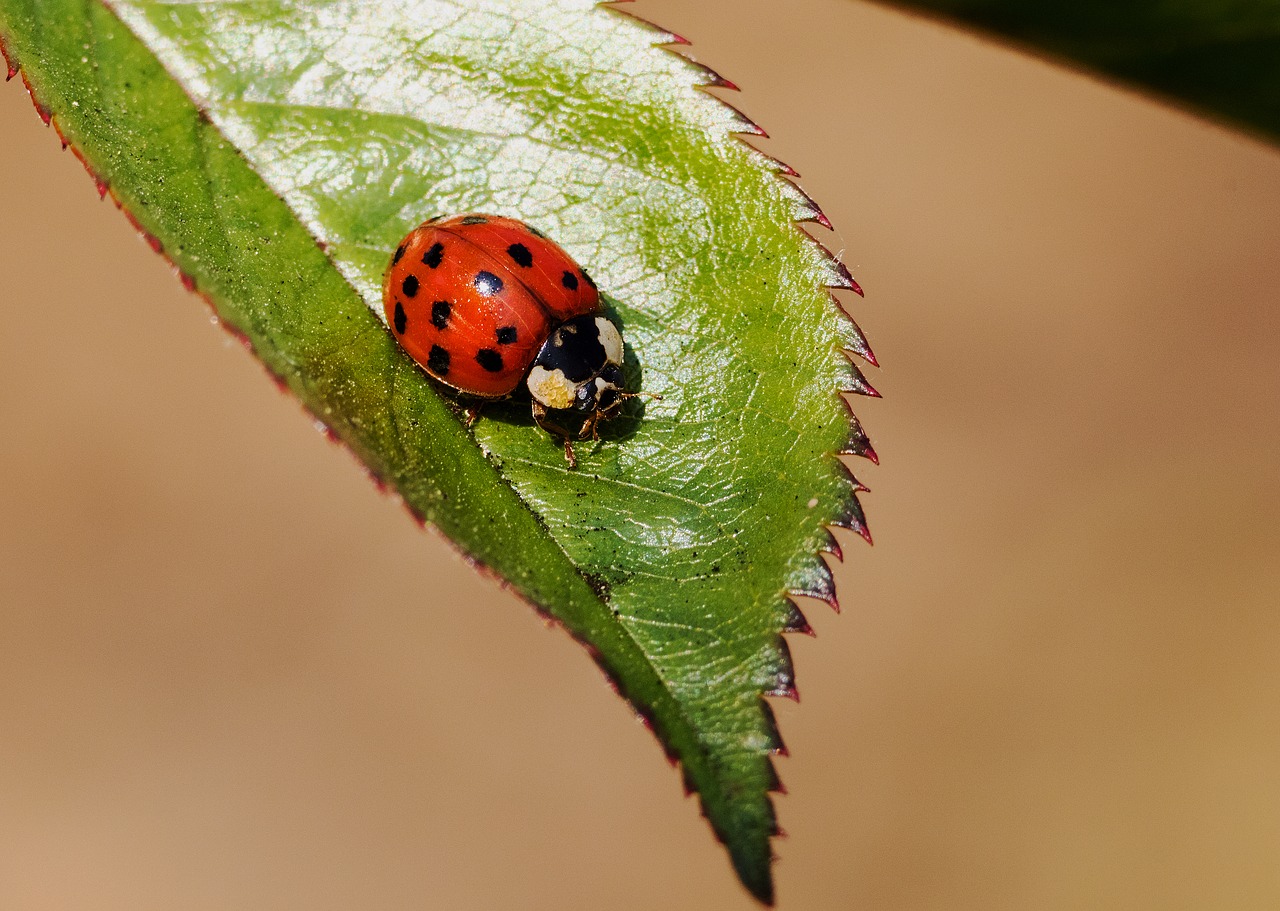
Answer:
x=223 y=683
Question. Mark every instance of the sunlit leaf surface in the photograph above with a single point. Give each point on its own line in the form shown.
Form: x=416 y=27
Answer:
x=279 y=150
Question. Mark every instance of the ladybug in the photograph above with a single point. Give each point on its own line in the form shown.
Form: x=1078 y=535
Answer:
x=483 y=302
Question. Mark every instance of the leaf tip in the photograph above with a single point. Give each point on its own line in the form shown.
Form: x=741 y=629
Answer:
x=857 y=443
x=761 y=888
x=785 y=692
x=796 y=621
x=845 y=278
x=778 y=165
x=817 y=582
x=852 y=338
x=851 y=515
x=854 y=381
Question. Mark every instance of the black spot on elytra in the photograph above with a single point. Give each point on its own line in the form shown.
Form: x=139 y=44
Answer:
x=489 y=359
x=488 y=284
x=410 y=285
x=433 y=256
x=506 y=335
x=520 y=253
x=440 y=311
x=400 y=319
x=438 y=361
x=590 y=281
x=399 y=255
x=569 y=280
x=475 y=220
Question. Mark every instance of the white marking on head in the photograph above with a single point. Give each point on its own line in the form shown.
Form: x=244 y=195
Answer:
x=551 y=387
x=610 y=339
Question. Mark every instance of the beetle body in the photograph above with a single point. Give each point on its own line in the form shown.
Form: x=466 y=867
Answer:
x=483 y=302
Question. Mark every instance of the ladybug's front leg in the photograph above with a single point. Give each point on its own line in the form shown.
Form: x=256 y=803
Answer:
x=568 y=454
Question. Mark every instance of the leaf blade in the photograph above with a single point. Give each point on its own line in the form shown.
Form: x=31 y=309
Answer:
x=651 y=552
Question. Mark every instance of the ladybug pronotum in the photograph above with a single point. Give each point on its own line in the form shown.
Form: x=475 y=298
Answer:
x=482 y=302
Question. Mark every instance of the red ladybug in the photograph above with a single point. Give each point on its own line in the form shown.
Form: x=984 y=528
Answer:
x=483 y=302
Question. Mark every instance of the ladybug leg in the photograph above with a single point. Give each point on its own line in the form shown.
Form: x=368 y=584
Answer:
x=469 y=415
x=540 y=416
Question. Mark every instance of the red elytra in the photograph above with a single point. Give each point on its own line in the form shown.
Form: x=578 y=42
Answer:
x=472 y=298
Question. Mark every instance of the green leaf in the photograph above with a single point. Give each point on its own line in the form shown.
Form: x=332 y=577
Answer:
x=277 y=150
x=1221 y=56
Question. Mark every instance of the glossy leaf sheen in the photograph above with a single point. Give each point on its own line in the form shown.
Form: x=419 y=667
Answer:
x=1221 y=56
x=279 y=150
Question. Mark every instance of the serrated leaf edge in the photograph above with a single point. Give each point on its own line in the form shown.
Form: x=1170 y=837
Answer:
x=815 y=580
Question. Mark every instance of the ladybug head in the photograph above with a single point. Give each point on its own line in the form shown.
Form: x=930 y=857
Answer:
x=576 y=379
